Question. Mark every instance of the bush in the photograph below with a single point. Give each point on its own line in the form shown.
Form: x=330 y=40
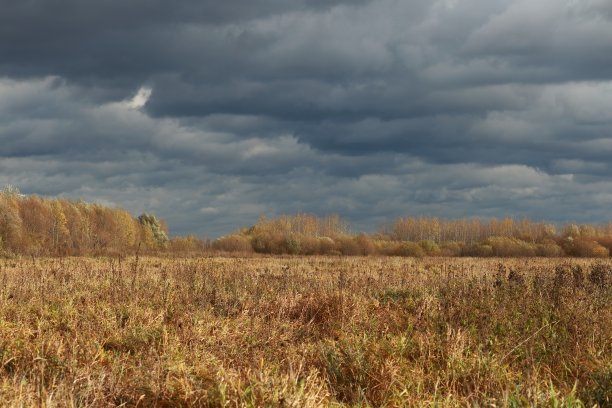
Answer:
x=293 y=244
x=586 y=248
x=450 y=248
x=605 y=242
x=309 y=245
x=327 y=246
x=365 y=244
x=188 y=243
x=408 y=249
x=348 y=246
x=233 y=243
x=477 y=250
x=507 y=247
x=430 y=247
x=269 y=243
x=549 y=249
x=502 y=247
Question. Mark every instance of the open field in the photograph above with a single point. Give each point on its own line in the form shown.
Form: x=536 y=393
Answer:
x=305 y=332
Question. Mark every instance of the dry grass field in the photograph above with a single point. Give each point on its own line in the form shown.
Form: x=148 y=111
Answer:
x=305 y=332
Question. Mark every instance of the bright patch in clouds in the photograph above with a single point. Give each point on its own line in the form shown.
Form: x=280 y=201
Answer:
x=140 y=99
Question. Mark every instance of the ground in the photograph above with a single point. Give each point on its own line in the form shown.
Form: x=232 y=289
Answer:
x=305 y=332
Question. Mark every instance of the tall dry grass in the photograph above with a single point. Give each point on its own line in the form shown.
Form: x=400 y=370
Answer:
x=305 y=332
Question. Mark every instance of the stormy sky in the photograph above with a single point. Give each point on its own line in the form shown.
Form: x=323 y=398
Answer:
x=210 y=113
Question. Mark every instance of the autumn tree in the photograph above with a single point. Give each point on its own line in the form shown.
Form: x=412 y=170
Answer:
x=10 y=222
x=43 y=226
x=153 y=233
x=59 y=226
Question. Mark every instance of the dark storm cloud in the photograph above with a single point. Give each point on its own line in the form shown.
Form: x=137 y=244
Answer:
x=98 y=40
x=210 y=113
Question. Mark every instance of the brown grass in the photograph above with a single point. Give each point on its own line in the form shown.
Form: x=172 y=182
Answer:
x=305 y=332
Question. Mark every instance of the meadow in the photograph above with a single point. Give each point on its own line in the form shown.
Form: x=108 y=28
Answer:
x=305 y=332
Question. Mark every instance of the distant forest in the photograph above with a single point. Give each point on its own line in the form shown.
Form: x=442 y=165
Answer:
x=32 y=225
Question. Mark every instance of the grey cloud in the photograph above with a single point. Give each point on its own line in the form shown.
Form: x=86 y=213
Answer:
x=370 y=109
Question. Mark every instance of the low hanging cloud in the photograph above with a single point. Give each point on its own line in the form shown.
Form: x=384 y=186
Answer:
x=211 y=114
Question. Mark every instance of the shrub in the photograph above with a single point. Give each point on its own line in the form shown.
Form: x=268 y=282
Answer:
x=188 y=243
x=327 y=246
x=549 y=249
x=450 y=248
x=605 y=242
x=233 y=243
x=587 y=248
x=409 y=249
x=477 y=250
x=430 y=247
x=309 y=245
x=348 y=246
x=365 y=244
x=269 y=243
x=506 y=247
x=293 y=244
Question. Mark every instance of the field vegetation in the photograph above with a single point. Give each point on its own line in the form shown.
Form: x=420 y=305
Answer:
x=305 y=332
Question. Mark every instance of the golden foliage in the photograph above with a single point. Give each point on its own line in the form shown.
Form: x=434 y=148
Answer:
x=40 y=226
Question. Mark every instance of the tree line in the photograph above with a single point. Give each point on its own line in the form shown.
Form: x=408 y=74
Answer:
x=32 y=225
x=306 y=234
